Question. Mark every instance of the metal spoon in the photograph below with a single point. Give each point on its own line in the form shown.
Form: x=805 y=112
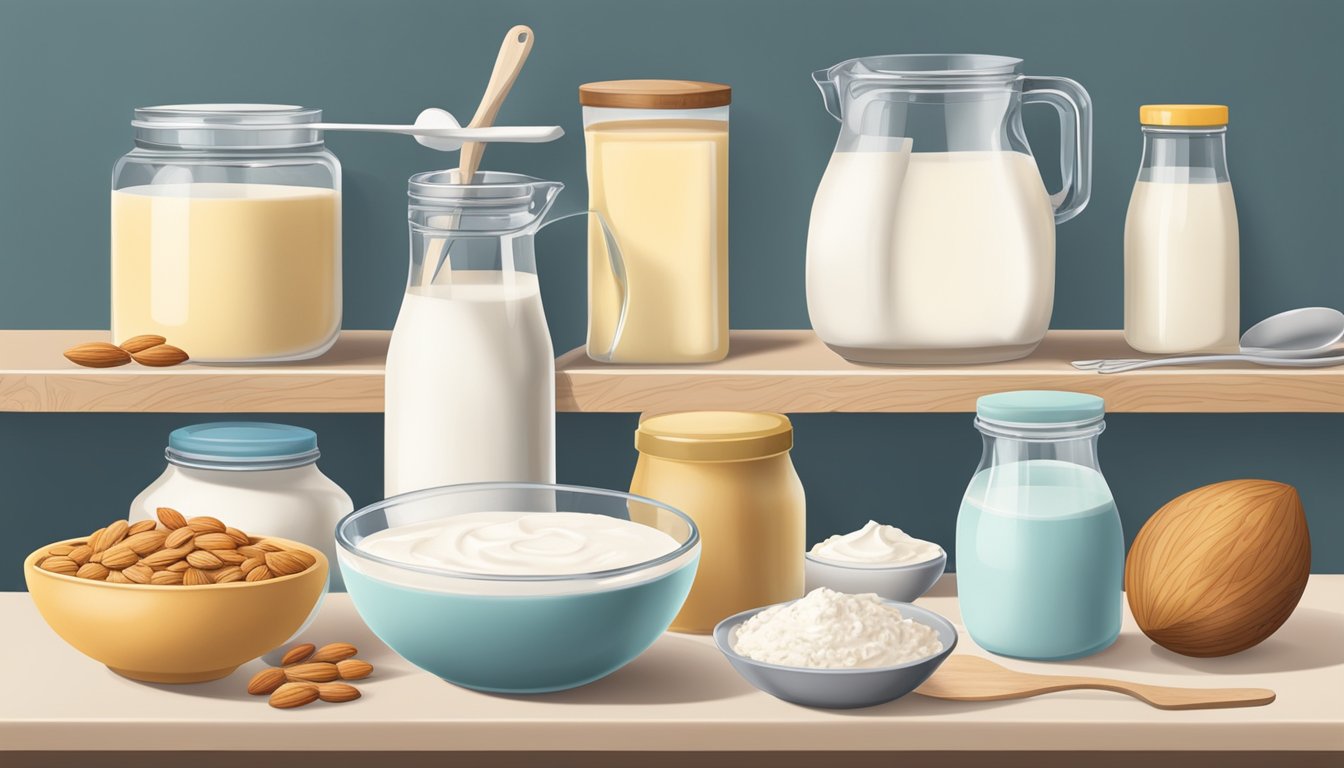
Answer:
x=1294 y=337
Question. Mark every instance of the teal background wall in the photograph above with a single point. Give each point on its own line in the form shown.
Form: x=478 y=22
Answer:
x=72 y=70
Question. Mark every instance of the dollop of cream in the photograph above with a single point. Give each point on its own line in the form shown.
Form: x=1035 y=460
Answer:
x=522 y=543
x=876 y=544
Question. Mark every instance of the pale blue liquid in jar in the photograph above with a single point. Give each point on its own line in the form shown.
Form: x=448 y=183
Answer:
x=1040 y=560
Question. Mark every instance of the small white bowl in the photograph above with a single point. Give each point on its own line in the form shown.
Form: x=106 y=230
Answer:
x=902 y=583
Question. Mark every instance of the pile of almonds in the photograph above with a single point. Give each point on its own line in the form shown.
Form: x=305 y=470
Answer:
x=149 y=349
x=188 y=551
x=307 y=673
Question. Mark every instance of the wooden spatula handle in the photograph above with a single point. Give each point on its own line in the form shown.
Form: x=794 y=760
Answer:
x=512 y=53
x=1160 y=696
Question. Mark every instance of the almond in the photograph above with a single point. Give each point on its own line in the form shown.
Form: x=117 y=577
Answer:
x=205 y=560
x=250 y=563
x=334 y=652
x=165 y=557
x=144 y=543
x=230 y=557
x=292 y=695
x=239 y=538
x=119 y=557
x=312 y=672
x=266 y=546
x=180 y=537
x=215 y=541
x=166 y=578
x=142 y=342
x=298 y=653
x=140 y=574
x=353 y=669
x=61 y=549
x=80 y=554
x=251 y=551
x=260 y=573
x=95 y=571
x=115 y=577
x=171 y=518
x=266 y=682
x=227 y=575
x=337 y=692
x=96 y=557
x=179 y=567
x=107 y=537
x=206 y=524
x=97 y=354
x=286 y=563
x=62 y=564
x=141 y=527
x=193 y=577
x=160 y=356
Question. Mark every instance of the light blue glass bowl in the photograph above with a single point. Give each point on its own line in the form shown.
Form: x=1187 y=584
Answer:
x=516 y=634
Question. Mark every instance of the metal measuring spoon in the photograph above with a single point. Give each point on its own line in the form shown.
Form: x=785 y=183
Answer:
x=1293 y=338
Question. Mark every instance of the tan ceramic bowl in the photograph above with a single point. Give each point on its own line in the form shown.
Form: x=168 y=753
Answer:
x=175 y=634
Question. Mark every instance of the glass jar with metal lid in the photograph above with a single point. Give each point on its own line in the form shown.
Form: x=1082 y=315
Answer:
x=259 y=477
x=226 y=232
x=729 y=471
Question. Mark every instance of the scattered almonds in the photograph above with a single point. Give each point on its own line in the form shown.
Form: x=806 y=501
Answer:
x=191 y=552
x=353 y=669
x=146 y=349
x=304 y=677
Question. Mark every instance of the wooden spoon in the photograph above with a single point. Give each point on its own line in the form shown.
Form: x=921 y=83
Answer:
x=971 y=678
x=512 y=53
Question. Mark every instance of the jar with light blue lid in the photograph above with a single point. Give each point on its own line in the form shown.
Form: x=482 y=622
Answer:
x=1040 y=552
x=256 y=476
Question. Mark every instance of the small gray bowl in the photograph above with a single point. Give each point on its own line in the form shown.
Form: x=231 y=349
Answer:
x=838 y=688
x=901 y=583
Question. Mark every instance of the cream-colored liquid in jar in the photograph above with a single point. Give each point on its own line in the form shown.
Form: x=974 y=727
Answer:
x=470 y=384
x=931 y=256
x=662 y=186
x=228 y=272
x=522 y=543
x=1182 y=268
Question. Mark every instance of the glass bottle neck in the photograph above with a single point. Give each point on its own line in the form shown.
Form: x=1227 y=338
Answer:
x=1184 y=155
x=1070 y=443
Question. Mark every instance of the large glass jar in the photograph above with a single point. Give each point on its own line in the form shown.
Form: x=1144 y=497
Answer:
x=658 y=242
x=1040 y=554
x=731 y=473
x=226 y=233
x=1182 y=246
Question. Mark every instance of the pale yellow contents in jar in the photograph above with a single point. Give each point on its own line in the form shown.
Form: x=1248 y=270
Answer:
x=662 y=186
x=229 y=272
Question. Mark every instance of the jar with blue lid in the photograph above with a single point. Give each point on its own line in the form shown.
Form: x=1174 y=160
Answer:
x=257 y=476
x=1040 y=551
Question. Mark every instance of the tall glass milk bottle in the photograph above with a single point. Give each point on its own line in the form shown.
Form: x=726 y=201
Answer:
x=1040 y=555
x=470 y=369
x=1182 y=248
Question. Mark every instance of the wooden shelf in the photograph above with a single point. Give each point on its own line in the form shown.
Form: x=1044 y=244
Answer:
x=786 y=371
x=681 y=696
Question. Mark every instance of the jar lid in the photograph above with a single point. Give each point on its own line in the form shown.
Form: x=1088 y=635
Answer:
x=655 y=94
x=250 y=445
x=714 y=435
x=1040 y=406
x=1183 y=115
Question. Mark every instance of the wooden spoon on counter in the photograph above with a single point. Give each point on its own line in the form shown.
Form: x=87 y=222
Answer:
x=971 y=678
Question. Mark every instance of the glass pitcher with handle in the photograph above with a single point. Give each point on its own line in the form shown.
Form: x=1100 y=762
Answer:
x=470 y=389
x=932 y=236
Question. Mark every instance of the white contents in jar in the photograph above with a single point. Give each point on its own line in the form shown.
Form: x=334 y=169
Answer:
x=832 y=630
x=522 y=543
x=876 y=544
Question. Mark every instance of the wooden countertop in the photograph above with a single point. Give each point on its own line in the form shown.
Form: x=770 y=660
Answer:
x=681 y=696
x=785 y=371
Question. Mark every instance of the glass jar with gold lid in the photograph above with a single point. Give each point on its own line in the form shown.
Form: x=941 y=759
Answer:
x=729 y=471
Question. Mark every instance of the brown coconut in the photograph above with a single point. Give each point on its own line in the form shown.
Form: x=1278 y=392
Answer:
x=1219 y=569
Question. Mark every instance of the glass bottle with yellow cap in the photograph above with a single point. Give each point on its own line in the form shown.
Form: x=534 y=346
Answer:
x=731 y=472
x=1182 y=261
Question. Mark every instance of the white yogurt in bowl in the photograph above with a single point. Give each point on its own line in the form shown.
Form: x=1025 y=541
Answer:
x=522 y=543
x=876 y=545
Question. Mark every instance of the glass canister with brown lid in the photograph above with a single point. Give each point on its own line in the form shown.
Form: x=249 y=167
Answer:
x=730 y=471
